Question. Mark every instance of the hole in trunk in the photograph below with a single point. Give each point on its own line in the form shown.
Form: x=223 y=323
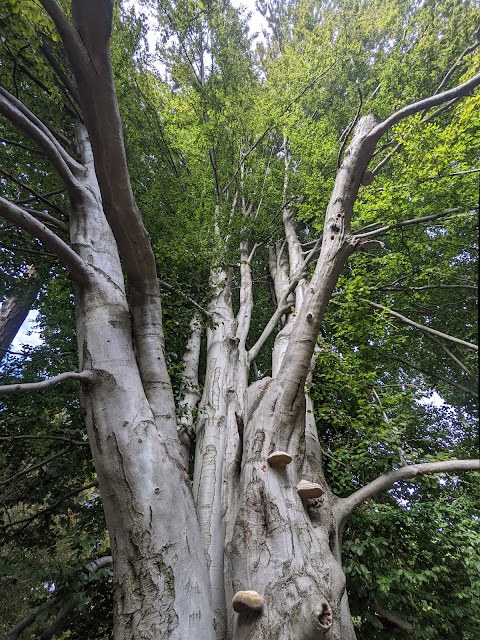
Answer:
x=325 y=617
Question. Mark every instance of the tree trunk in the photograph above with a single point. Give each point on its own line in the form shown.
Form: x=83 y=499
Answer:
x=278 y=544
x=16 y=308
x=161 y=587
x=218 y=442
x=179 y=558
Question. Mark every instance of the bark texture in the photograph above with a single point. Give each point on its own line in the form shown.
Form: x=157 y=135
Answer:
x=179 y=556
x=139 y=464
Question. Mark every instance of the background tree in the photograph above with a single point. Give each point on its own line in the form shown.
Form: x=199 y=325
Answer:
x=234 y=157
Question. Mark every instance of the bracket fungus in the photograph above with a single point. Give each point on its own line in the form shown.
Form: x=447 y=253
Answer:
x=279 y=459
x=308 y=489
x=247 y=602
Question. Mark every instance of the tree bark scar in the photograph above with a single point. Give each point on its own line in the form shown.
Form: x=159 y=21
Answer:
x=96 y=434
x=241 y=428
x=254 y=396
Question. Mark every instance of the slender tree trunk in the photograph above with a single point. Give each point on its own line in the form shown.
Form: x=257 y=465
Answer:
x=189 y=392
x=218 y=434
x=16 y=308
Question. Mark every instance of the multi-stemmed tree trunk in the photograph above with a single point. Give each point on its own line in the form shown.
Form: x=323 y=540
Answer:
x=178 y=557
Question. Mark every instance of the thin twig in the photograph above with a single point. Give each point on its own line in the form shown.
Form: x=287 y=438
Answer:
x=38 y=196
x=405 y=223
x=26 y=521
x=350 y=128
x=422 y=327
x=430 y=374
x=38 y=465
x=30 y=387
x=168 y=287
x=22 y=146
x=267 y=131
x=78 y=443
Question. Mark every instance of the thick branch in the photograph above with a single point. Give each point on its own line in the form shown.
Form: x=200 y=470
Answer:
x=15 y=308
x=393 y=619
x=89 y=58
x=422 y=327
x=283 y=304
x=78 y=269
x=282 y=307
x=190 y=394
x=15 y=632
x=337 y=246
x=30 y=387
x=461 y=90
x=63 y=615
x=409 y=472
x=86 y=45
x=97 y=564
x=61 y=619
x=246 y=296
x=406 y=223
x=63 y=26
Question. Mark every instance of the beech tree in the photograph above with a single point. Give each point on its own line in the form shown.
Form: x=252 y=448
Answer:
x=224 y=518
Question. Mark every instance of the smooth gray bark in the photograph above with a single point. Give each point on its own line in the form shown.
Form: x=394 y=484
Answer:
x=177 y=558
x=138 y=462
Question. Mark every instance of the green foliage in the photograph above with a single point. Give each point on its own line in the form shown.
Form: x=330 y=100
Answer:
x=419 y=560
x=210 y=126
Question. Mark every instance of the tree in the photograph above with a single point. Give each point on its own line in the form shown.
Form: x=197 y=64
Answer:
x=263 y=526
